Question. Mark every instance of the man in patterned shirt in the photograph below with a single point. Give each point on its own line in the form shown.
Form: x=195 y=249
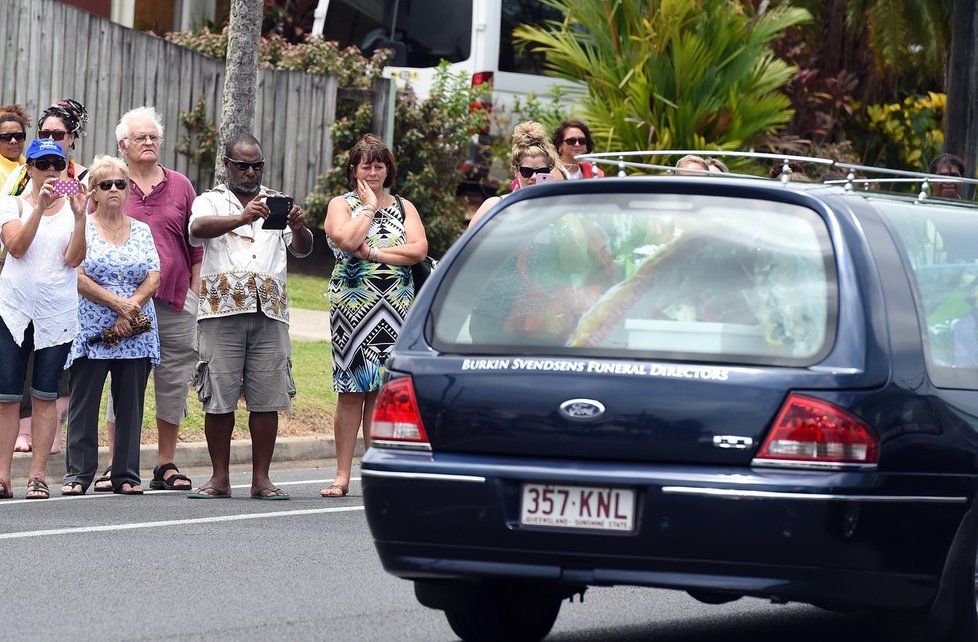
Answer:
x=243 y=318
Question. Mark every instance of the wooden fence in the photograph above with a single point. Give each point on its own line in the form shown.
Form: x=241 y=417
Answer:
x=52 y=51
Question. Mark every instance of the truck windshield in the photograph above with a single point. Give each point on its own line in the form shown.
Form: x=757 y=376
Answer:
x=413 y=35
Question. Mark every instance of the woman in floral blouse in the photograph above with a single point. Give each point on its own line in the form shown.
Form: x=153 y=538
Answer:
x=117 y=280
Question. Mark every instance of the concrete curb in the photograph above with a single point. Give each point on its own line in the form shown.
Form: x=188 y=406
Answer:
x=317 y=451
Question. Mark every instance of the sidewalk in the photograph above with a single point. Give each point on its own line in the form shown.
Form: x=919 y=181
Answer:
x=308 y=325
x=304 y=325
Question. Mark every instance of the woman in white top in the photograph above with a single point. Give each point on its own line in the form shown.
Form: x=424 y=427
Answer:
x=44 y=233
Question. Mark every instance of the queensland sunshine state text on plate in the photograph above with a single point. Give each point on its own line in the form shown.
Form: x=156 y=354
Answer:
x=605 y=509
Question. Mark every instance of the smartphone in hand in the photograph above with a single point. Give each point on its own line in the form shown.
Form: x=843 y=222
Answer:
x=544 y=178
x=65 y=188
x=278 y=212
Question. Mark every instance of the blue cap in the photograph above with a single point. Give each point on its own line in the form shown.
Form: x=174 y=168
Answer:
x=44 y=147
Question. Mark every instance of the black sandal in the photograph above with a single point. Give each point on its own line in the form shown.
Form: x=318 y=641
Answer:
x=74 y=488
x=105 y=478
x=161 y=483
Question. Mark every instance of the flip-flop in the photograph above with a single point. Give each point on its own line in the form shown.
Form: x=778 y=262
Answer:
x=330 y=491
x=75 y=489
x=270 y=493
x=208 y=492
x=6 y=493
x=132 y=489
x=106 y=477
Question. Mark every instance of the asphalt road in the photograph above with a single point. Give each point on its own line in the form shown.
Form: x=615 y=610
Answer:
x=107 y=567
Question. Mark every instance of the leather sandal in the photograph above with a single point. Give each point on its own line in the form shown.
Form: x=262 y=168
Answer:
x=160 y=482
x=39 y=488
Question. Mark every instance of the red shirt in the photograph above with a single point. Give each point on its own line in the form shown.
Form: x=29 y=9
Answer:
x=167 y=212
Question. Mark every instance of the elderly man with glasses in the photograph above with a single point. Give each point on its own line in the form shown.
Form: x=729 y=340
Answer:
x=162 y=198
x=243 y=325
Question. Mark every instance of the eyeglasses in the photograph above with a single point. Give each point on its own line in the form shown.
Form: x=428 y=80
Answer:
x=527 y=172
x=54 y=134
x=949 y=173
x=243 y=166
x=120 y=184
x=9 y=138
x=146 y=138
x=576 y=141
x=44 y=164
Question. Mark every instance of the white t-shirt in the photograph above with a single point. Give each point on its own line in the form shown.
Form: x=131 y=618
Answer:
x=40 y=286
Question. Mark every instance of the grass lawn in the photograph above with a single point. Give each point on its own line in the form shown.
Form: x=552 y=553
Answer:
x=308 y=292
x=312 y=363
x=312 y=406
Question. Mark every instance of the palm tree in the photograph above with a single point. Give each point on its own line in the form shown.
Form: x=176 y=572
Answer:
x=671 y=73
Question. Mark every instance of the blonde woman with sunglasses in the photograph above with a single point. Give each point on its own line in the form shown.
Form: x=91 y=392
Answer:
x=117 y=335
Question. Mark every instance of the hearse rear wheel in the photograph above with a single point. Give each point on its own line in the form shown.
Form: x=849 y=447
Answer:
x=504 y=612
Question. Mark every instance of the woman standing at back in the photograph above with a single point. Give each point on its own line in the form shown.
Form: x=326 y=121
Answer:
x=13 y=137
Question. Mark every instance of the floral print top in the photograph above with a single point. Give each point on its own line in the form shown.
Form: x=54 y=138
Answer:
x=120 y=269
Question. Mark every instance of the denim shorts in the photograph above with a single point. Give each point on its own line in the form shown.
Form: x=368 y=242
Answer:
x=49 y=365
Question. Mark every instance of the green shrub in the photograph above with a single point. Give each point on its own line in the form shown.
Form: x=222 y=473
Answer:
x=904 y=135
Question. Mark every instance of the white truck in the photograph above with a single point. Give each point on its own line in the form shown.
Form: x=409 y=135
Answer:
x=475 y=36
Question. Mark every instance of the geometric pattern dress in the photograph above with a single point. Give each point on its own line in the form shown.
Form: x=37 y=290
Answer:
x=367 y=304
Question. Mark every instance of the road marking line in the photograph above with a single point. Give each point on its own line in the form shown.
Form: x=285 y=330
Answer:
x=176 y=522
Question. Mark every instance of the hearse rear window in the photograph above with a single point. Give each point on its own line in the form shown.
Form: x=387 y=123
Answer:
x=940 y=246
x=694 y=277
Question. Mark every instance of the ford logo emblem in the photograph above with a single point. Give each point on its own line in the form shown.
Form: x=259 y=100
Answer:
x=582 y=409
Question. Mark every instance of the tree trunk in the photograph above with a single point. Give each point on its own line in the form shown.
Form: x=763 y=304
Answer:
x=961 y=115
x=240 y=74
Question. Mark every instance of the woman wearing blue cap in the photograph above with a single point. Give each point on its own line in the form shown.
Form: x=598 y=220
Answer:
x=63 y=122
x=44 y=234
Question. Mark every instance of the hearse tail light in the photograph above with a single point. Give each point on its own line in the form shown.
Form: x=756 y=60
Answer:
x=396 y=421
x=812 y=433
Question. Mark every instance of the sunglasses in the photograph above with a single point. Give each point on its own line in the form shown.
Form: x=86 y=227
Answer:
x=527 y=172
x=242 y=166
x=44 y=164
x=9 y=138
x=119 y=183
x=951 y=173
x=53 y=134
x=576 y=141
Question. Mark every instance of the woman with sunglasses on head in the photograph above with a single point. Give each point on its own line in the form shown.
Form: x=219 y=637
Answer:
x=63 y=122
x=44 y=234
x=534 y=160
x=118 y=332
x=571 y=138
x=13 y=137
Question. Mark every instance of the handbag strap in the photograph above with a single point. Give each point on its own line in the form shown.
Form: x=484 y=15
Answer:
x=400 y=207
